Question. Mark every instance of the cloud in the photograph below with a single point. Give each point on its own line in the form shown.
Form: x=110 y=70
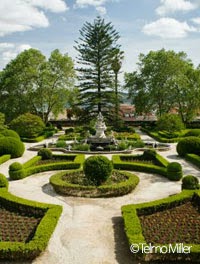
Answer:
x=168 y=28
x=98 y=4
x=23 y=15
x=196 y=20
x=172 y=6
x=9 y=51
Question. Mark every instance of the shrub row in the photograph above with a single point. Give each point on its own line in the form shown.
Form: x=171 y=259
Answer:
x=4 y=158
x=63 y=187
x=134 y=233
x=174 y=175
x=18 y=251
x=194 y=159
x=160 y=138
x=18 y=171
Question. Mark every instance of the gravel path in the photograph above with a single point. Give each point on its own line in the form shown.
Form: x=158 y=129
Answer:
x=90 y=231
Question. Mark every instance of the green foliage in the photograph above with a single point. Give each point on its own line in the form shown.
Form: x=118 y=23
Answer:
x=190 y=182
x=160 y=75
x=28 y=125
x=193 y=158
x=149 y=154
x=134 y=230
x=96 y=47
x=61 y=144
x=2 y=121
x=170 y=123
x=188 y=145
x=123 y=145
x=15 y=166
x=97 y=169
x=4 y=158
x=174 y=171
x=17 y=251
x=45 y=153
x=12 y=146
x=193 y=133
x=30 y=167
x=3 y=181
x=9 y=133
x=81 y=147
x=65 y=188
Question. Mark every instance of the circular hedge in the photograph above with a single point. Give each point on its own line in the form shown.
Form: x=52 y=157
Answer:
x=190 y=182
x=12 y=146
x=97 y=169
x=3 y=181
x=65 y=187
x=45 y=153
x=174 y=171
x=188 y=145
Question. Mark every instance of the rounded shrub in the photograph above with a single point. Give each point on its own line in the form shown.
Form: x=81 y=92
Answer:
x=45 y=153
x=190 y=182
x=188 y=145
x=3 y=181
x=61 y=144
x=9 y=133
x=28 y=125
x=174 y=171
x=12 y=146
x=16 y=171
x=97 y=169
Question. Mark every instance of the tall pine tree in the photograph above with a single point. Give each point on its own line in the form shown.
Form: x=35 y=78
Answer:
x=96 y=48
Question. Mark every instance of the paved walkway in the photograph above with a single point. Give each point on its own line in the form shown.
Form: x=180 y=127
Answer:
x=90 y=231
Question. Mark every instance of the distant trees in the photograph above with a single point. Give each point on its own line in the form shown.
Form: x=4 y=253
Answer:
x=165 y=80
x=99 y=60
x=30 y=83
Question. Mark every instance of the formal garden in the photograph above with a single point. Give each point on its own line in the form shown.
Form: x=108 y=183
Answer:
x=89 y=190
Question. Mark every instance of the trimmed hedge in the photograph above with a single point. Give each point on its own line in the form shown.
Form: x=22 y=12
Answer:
x=9 y=133
x=174 y=171
x=134 y=231
x=12 y=146
x=188 y=145
x=18 y=251
x=194 y=159
x=45 y=153
x=4 y=158
x=3 y=181
x=160 y=138
x=149 y=168
x=65 y=188
x=190 y=182
x=28 y=168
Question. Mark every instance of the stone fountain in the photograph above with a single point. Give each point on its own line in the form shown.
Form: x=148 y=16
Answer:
x=100 y=141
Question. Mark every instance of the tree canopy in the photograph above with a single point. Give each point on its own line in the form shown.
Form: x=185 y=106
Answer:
x=96 y=48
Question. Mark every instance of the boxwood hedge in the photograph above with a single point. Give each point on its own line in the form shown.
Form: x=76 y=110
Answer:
x=30 y=168
x=66 y=188
x=134 y=233
x=18 y=251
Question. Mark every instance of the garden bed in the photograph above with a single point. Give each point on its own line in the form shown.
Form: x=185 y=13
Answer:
x=25 y=227
x=170 y=221
x=73 y=183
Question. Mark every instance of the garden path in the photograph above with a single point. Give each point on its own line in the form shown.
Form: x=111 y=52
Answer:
x=90 y=231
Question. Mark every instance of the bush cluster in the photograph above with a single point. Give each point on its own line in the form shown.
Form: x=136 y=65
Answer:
x=174 y=171
x=28 y=125
x=97 y=169
x=188 y=145
x=170 y=123
x=190 y=182
x=193 y=133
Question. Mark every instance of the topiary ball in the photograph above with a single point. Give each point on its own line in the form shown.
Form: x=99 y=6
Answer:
x=190 y=182
x=9 y=133
x=97 y=169
x=3 y=181
x=174 y=171
x=188 y=145
x=12 y=146
x=45 y=153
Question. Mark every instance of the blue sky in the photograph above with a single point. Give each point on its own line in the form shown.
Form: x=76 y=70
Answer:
x=143 y=25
